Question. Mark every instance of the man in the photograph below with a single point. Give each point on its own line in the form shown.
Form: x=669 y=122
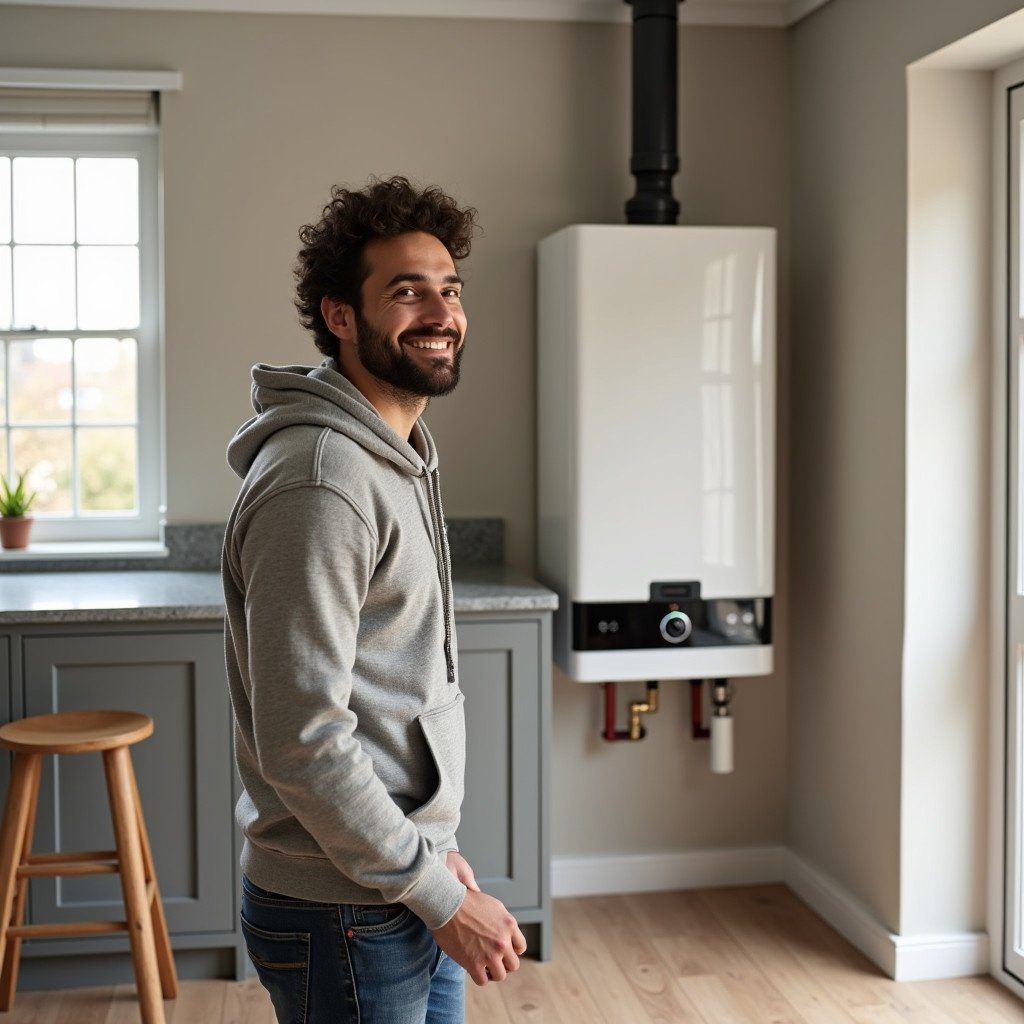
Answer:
x=341 y=657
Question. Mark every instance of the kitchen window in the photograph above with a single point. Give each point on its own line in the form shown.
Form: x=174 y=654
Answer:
x=80 y=391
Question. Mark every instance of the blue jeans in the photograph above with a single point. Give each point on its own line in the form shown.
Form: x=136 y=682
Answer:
x=344 y=963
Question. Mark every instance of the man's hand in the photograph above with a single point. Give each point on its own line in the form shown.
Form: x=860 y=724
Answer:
x=482 y=936
x=459 y=867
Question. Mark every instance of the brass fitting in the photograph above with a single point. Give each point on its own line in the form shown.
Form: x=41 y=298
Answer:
x=644 y=707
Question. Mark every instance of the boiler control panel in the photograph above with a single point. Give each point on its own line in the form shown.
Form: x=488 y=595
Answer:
x=722 y=622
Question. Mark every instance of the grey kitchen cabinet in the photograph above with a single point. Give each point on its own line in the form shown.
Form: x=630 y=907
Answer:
x=174 y=672
x=184 y=773
x=5 y=705
x=504 y=671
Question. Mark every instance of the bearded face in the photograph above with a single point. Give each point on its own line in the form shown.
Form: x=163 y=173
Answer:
x=422 y=361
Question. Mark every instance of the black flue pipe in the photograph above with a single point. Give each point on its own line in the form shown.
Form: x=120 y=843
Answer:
x=654 y=160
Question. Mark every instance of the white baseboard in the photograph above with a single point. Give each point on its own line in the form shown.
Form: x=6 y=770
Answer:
x=926 y=957
x=843 y=911
x=901 y=957
x=654 y=872
x=904 y=958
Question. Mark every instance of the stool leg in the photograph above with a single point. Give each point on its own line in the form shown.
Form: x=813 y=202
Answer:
x=164 y=956
x=12 y=956
x=117 y=763
x=21 y=798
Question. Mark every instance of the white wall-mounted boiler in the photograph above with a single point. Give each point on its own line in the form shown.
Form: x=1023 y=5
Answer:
x=656 y=449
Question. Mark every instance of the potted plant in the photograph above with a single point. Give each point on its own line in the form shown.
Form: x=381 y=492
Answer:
x=15 y=522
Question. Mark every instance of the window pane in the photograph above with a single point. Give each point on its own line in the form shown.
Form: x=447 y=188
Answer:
x=6 y=299
x=44 y=199
x=106 y=469
x=40 y=381
x=105 y=379
x=73 y=411
x=45 y=457
x=108 y=287
x=44 y=287
x=5 y=198
x=108 y=200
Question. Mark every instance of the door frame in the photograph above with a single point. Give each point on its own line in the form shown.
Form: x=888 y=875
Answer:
x=1004 y=78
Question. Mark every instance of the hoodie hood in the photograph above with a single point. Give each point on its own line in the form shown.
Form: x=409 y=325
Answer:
x=321 y=396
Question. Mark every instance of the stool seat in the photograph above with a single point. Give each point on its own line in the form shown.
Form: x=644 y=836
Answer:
x=76 y=732
x=110 y=734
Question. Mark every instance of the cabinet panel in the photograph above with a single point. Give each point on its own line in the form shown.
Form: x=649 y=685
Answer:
x=5 y=708
x=501 y=813
x=183 y=771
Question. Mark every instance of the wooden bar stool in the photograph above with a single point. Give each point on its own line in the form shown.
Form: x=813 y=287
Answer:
x=80 y=732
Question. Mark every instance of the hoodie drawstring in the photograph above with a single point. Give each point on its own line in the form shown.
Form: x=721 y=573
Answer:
x=444 y=565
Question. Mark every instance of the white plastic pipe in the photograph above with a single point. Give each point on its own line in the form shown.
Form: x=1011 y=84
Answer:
x=721 y=745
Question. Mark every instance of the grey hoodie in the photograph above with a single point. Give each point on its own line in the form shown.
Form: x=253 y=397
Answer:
x=349 y=730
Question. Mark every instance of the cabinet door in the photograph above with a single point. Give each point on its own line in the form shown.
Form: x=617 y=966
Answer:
x=501 y=812
x=183 y=771
x=5 y=707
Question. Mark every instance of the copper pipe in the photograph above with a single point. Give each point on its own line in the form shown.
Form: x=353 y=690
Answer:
x=611 y=734
x=637 y=708
x=700 y=730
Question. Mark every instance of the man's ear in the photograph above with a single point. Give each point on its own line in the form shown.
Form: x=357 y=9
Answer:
x=340 y=318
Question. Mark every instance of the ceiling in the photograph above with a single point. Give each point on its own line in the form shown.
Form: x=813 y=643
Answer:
x=769 y=13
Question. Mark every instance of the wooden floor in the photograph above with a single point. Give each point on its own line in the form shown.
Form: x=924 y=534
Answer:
x=726 y=956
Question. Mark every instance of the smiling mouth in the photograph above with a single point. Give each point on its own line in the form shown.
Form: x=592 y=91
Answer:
x=435 y=345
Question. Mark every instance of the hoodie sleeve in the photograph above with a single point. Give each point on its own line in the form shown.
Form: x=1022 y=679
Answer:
x=306 y=556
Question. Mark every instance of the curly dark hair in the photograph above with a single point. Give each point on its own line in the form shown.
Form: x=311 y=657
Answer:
x=331 y=262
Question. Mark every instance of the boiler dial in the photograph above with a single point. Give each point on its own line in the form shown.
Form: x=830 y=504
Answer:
x=676 y=627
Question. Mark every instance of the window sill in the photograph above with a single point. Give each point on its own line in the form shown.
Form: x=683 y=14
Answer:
x=86 y=549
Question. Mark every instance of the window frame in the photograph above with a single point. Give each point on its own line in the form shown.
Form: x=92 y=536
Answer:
x=144 y=145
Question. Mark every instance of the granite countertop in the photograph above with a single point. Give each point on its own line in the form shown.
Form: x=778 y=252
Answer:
x=146 y=596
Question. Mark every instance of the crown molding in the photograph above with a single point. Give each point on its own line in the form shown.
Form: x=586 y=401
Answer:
x=758 y=13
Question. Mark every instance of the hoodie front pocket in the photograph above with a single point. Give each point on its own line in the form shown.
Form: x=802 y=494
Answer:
x=444 y=729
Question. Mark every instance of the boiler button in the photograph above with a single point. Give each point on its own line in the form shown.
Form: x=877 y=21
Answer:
x=748 y=618
x=676 y=627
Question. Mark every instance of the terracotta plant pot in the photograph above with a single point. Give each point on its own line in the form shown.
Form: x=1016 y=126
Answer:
x=15 y=530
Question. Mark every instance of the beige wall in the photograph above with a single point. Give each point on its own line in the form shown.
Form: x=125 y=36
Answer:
x=658 y=795
x=528 y=122
x=849 y=469
x=944 y=757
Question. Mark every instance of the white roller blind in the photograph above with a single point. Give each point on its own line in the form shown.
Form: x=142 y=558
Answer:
x=76 y=109
x=81 y=99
